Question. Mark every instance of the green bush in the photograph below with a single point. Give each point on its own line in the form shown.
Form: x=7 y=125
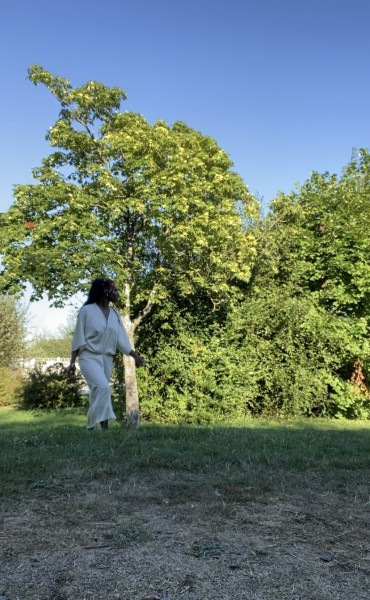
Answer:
x=302 y=356
x=192 y=376
x=277 y=354
x=51 y=388
x=11 y=383
x=347 y=401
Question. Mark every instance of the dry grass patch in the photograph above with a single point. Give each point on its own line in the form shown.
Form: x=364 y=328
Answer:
x=160 y=524
x=133 y=540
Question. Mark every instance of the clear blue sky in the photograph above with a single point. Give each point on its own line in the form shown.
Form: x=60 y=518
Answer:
x=282 y=85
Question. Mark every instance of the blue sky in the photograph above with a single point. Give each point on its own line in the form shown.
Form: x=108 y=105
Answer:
x=283 y=86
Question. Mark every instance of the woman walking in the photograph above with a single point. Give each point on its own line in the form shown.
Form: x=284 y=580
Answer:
x=99 y=333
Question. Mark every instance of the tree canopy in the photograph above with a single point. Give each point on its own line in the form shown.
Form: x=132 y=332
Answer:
x=297 y=340
x=154 y=207
x=144 y=204
x=324 y=242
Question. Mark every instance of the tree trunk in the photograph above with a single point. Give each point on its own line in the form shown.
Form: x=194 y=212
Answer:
x=132 y=396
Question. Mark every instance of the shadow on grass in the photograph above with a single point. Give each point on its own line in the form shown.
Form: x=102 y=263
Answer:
x=41 y=448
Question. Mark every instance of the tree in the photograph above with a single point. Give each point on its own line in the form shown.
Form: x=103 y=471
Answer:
x=325 y=241
x=152 y=206
x=11 y=331
x=314 y=247
x=50 y=347
x=57 y=345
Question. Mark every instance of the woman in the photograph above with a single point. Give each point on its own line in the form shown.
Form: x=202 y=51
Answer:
x=98 y=335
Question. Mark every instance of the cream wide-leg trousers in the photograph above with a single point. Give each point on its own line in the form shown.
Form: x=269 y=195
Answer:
x=97 y=370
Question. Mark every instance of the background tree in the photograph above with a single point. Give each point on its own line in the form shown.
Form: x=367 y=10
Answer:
x=325 y=238
x=12 y=344
x=57 y=345
x=297 y=340
x=148 y=205
x=50 y=347
x=12 y=331
x=327 y=230
x=309 y=294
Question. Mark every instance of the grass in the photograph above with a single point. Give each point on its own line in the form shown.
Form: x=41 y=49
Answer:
x=252 y=510
x=42 y=447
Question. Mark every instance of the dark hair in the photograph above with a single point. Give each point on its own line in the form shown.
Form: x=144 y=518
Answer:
x=98 y=290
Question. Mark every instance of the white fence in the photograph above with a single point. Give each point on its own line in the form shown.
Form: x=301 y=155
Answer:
x=28 y=364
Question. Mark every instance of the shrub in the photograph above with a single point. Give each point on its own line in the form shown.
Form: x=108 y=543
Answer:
x=51 y=388
x=10 y=386
x=302 y=356
x=277 y=354
x=192 y=377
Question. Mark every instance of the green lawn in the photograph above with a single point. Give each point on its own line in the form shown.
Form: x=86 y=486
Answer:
x=255 y=509
x=41 y=447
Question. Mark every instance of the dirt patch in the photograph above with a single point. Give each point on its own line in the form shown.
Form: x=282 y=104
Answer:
x=166 y=539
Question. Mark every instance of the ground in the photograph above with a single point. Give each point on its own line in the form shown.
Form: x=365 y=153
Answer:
x=178 y=538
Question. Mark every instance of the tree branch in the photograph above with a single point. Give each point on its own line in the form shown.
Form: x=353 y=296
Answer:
x=143 y=313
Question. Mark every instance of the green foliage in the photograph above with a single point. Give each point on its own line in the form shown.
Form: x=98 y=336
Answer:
x=178 y=385
x=298 y=353
x=320 y=238
x=192 y=374
x=308 y=298
x=145 y=204
x=238 y=317
x=290 y=347
x=12 y=331
x=11 y=382
x=51 y=388
x=118 y=388
x=151 y=206
x=50 y=347
x=347 y=401
x=276 y=355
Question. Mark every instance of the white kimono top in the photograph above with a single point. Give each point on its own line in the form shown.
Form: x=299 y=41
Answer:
x=99 y=335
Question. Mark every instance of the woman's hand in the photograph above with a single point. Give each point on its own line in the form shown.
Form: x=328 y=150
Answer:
x=71 y=370
x=139 y=360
